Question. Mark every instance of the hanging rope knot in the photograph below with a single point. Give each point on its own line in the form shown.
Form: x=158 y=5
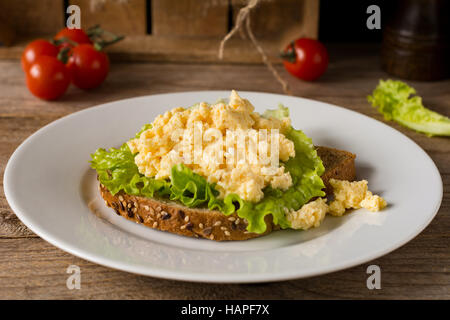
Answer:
x=244 y=17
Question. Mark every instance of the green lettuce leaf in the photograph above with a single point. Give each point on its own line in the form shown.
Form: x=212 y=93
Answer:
x=145 y=127
x=193 y=190
x=279 y=113
x=397 y=101
x=305 y=169
x=117 y=171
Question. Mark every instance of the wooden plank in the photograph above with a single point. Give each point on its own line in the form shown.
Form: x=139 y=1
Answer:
x=167 y=49
x=191 y=18
x=283 y=20
x=125 y=18
x=7 y=34
x=30 y=17
x=309 y=27
x=31 y=268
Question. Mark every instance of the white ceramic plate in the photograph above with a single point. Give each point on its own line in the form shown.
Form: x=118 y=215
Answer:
x=50 y=187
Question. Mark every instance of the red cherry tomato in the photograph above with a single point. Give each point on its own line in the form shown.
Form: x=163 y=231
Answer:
x=48 y=78
x=88 y=67
x=306 y=59
x=76 y=35
x=35 y=49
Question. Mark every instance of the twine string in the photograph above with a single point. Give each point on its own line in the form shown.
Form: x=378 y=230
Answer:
x=266 y=60
x=244 y=16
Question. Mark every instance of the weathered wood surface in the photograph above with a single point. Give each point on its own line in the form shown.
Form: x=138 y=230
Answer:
x=283 y=20
x=127 y=19
x=189 y=18
x=31 y=268
x=30 y=17
x=172 y=49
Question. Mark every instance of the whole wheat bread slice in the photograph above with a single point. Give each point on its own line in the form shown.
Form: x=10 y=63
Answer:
x=171 y=216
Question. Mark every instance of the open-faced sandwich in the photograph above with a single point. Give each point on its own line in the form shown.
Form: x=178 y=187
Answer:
x=224 y=172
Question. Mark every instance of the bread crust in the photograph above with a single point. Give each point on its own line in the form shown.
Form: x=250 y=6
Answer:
x=339 y=164
x=170 y=216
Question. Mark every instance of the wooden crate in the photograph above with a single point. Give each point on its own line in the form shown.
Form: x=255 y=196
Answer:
x=31 y=17
x=169 y=30
x=189 y=18
x=129 y=19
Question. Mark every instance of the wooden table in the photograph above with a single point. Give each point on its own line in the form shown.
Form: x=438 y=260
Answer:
x=30 y=268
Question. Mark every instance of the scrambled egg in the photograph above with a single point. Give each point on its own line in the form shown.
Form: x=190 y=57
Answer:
x=353 y=195
x=158 y=148
x=347 y=195
x=309 y=215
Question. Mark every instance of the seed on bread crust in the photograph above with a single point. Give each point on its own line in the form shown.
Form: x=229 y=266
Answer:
x=200 y=225
x=120 y=198
x=227 y=233
x=207 y=231
x=155 y=224
x=116 y=209
x=217 y=223
x=242 y=227
x=231 y=219
x=165 y=215
x=186 y=219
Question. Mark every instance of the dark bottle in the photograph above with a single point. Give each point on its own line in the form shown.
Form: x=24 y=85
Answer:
x=416 y=40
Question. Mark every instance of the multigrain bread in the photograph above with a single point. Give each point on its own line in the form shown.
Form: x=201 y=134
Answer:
x=338 y=164
x=171 y=216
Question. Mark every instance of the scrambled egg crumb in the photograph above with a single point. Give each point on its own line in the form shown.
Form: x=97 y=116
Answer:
x=373 y=202
x=158 y=149
x=353 y=195
x=347 y=195
x=309 y=215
